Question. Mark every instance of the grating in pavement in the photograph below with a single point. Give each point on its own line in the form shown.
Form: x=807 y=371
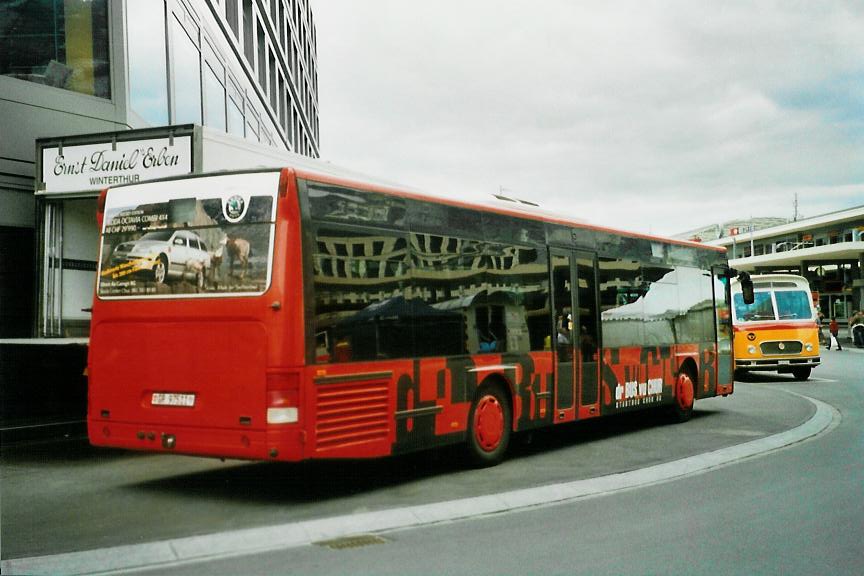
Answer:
x=351 y=542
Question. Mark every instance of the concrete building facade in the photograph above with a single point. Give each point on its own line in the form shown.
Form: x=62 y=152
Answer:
x=242 y=68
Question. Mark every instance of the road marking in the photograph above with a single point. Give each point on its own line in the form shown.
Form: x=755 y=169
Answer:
x=194 y=549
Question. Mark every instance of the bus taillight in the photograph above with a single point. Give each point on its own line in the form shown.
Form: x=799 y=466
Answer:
x=283 y=399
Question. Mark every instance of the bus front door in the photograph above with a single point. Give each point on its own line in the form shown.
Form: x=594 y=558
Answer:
x=723 y=327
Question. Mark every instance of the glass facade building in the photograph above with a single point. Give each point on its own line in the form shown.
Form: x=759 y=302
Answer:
x=245 y=68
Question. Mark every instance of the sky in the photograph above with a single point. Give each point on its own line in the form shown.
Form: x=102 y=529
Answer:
x=652 y=116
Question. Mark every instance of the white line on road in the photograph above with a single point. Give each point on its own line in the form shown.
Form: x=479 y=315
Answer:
x=189 y=550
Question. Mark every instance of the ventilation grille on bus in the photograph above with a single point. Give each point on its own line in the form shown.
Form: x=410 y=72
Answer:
x=351 y=414
x=778 y=348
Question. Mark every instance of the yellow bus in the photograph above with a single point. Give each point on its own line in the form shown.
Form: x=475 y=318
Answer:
x=778 y=332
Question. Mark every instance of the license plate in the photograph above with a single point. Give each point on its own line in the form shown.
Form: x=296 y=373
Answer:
x=171 y=399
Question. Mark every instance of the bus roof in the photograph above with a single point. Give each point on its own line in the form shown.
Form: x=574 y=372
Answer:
x=763 y=281
x=322 y=171
x=326 y=172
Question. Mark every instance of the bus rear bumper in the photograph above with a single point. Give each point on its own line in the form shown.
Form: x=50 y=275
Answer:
x=777 y=365
x=241 y=443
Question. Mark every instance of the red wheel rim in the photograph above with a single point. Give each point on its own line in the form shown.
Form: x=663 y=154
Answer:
x=488 y=423
x=685 y=391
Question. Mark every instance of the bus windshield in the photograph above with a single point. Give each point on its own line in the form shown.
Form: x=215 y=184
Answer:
x=791 y=305
x=180 y=238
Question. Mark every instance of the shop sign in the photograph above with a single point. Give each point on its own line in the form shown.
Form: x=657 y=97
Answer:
x=97 y=166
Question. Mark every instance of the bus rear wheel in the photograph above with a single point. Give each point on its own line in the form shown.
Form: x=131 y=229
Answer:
x=801 y=373
x=685 y=397
x=489 y=424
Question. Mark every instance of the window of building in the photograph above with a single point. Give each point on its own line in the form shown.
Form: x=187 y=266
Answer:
x=265 y=137
x=248 y=33
x=262 y=58
x=148 y=72
x=273 y=89
x=236 y=124
x=274 y=17
x=251 y=123
x=292 y=121
x=214 y=92
x=57 y=43
x=232 y=17
x=187 y=75
x=281 y=22
x=282 y=103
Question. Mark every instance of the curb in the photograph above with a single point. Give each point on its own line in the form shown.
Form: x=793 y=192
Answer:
x=194 y=549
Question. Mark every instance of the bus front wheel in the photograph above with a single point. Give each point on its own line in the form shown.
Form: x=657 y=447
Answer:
x=489 y=424
x=801 y=373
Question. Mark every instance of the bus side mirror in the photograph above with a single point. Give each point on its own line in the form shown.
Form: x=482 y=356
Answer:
x=746 y=287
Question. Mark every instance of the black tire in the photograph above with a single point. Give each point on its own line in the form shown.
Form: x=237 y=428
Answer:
x=801 y=373
x=685 y=396
x=160 y=269
x=489 y=427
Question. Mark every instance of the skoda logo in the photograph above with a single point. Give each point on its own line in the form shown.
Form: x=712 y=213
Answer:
x=782 y=346
x=234 y=208
x=751 y=336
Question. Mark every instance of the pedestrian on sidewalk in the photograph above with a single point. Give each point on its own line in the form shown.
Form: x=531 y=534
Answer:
x=856 y=328
x=834 y=329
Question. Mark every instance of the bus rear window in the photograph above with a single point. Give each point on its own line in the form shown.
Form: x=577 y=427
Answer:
x=194 y=237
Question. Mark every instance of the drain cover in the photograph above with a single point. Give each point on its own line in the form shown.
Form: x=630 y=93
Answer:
x=351 y=542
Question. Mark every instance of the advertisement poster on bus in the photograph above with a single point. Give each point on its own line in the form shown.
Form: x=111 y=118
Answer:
x=177 y=238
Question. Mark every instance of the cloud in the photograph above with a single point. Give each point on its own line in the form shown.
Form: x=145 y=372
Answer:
x=656 y=116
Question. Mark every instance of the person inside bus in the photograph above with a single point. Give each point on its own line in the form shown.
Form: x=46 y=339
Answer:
x=488 y=342
x=563 y=337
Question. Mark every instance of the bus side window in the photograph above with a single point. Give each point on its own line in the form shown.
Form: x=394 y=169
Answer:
x=361 y=280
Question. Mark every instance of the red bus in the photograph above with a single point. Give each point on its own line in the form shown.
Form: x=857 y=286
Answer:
x=301 y=313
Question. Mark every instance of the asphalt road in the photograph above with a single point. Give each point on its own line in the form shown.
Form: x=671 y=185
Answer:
x=68 y=497
x=799 y=510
